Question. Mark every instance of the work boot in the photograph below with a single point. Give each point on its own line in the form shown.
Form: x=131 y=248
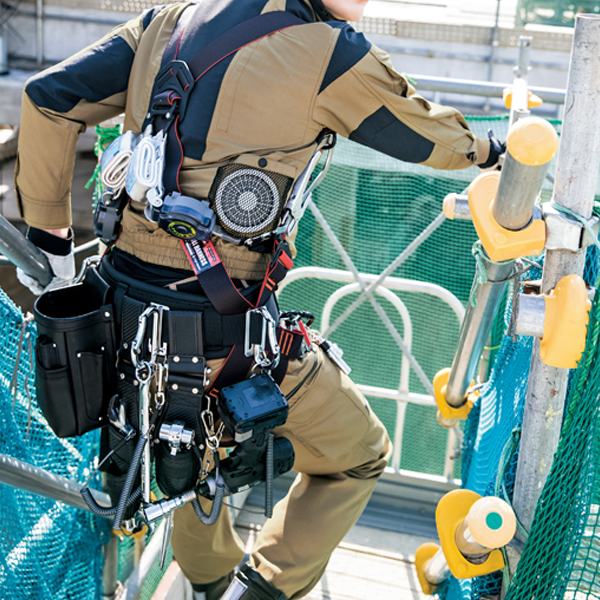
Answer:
x=213 y=590
x=249 y=584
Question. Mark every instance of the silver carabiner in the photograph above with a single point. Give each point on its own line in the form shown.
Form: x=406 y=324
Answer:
x=268 y=331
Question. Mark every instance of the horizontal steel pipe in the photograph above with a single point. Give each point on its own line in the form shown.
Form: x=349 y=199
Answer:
x=481 y=88
x=531 y=315
x=18 y=474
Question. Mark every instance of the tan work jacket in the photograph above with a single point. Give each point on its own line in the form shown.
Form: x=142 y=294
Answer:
x=269 y=100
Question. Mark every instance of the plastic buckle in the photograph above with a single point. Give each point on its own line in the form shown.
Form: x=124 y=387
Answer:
x=173 y=77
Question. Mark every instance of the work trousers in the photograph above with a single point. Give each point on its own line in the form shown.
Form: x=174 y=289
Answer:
x=341 y=449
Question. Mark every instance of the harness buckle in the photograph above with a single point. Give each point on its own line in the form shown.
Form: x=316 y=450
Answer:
x=174 y=85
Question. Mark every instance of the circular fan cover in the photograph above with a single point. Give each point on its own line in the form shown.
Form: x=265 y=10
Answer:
x=247 y=203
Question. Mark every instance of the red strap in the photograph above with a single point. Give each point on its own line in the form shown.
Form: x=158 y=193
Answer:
x=217 y=285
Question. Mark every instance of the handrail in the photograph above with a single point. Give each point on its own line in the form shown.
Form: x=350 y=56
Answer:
x=487 y=89
x=402 y=395
x=78 y=250
x=21 y=475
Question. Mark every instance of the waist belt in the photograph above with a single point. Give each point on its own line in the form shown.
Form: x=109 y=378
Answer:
x=192 y=327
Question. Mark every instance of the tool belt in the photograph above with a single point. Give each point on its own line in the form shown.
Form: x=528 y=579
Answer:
x=84 y=328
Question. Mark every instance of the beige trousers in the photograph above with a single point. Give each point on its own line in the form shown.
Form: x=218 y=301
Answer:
x=341 y=449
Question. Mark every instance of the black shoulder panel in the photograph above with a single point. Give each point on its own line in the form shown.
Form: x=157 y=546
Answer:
x=210 y=20
x=94 y=75
x=349 y=49
x=300 y=9
x=384 y=132
x=149 y=14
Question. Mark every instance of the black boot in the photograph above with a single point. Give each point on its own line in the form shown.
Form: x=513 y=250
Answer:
x=213 y=590
x=249 y=584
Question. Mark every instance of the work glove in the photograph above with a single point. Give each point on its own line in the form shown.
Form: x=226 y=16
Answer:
x=62 y=265
x=496 y=156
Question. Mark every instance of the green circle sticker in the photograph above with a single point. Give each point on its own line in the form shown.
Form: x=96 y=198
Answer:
x=494 y=520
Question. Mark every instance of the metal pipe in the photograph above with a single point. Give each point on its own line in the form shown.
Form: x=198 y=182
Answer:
x=436 y=569
x=110 y=572
x=489 y=524
x=481 y=88
x=133 y=585
x=475 y=330
x=21 y=475
x=3 y=54
x=531 y=315
x=22 y=253
x=91 y=245
x=520 y=86
x=39 y=31
x=576 y=175
x=518 y=193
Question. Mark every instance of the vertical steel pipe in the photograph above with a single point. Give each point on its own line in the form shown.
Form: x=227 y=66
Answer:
x=575 y=186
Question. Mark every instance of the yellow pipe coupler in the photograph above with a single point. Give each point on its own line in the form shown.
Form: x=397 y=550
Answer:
x=423 y=555
x=453 y=518
x=533 y=101
x=501 y=244
x=565 y=323
x=448 y=416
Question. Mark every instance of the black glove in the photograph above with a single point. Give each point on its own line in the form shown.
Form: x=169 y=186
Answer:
x=497 y=149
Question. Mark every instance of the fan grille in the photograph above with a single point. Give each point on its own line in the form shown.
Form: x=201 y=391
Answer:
x=248 y=201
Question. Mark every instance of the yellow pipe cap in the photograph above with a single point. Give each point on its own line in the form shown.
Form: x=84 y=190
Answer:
x=492 y=522
x=532 y=141
x=451 y=511
x=565 y=323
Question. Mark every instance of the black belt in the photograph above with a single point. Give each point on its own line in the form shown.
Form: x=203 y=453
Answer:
x=191 y=327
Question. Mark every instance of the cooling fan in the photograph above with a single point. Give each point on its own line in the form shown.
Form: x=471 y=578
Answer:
x=248 y=201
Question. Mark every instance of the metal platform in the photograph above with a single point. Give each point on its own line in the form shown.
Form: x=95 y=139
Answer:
x=375 y=559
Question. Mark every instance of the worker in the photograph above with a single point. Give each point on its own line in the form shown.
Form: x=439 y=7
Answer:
x=263 y=108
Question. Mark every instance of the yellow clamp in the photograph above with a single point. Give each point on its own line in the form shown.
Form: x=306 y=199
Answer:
x=565 y=323
x=501 y=244
x=533 y=101
x=425 y=552
x=448 y=416
x=135 y=534
x=451 y=511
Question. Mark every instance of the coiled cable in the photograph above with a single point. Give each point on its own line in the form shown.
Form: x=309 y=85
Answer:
x=131 y=474
x=106 y=511
x=215 y=510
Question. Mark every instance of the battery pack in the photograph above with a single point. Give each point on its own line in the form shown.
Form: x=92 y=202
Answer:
x=252 y=407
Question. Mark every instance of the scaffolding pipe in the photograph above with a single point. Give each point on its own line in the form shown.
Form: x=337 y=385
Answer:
x=22 y=253
x=511 y=207
x=18 y=474
x=576 y=175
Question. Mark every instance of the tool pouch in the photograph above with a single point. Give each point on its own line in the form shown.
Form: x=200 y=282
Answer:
x=75 y=355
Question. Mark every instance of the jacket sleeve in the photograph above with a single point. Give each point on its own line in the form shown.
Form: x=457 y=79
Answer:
x=363 y=98
x=58 y=105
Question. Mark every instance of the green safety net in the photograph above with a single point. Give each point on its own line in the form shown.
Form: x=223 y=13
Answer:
x=375 y=206
x=560 y=13
x=562 y=554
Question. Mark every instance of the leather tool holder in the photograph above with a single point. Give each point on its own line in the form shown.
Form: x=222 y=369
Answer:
x=75 y=355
